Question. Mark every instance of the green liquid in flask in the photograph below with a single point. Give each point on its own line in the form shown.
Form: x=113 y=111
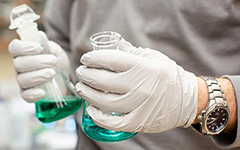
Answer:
x=48 y=111
x=97 y=133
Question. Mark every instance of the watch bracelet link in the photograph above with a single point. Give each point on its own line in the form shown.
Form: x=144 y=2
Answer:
x=216 y=95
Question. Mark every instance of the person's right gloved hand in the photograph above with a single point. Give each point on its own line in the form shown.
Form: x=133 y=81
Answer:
x=33 y=69
x=152 y=91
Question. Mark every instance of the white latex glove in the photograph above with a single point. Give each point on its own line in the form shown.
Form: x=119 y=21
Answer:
x=153 y=92
x=34 y=69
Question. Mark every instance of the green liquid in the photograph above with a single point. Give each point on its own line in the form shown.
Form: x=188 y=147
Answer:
x=97 y=133
x=48 y=111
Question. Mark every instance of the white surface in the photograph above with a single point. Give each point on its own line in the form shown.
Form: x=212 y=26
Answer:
x=53 y=140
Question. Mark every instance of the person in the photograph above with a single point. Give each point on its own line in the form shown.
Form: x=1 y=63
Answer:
x=151 y=87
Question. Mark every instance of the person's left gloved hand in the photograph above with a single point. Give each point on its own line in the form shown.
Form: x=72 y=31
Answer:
x=152 y=91
x=34 y=68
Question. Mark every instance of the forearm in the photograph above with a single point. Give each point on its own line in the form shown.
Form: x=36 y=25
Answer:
x=230 y=98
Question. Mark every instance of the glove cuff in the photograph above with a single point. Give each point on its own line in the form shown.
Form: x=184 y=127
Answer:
x=189 y=98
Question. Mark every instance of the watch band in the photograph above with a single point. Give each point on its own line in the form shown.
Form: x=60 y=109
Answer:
x=216 y=95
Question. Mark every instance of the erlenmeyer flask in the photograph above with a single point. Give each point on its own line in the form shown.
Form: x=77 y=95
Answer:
x=61 y=98
x=103 y=40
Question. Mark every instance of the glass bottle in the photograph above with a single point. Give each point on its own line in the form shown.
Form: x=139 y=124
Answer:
x=103 y=40
x=61 y=99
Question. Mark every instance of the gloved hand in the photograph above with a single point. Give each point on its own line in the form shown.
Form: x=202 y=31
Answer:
x=34 y=69
x=152 y=91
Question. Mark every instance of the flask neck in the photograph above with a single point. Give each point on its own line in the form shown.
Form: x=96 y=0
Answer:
x=29 y=32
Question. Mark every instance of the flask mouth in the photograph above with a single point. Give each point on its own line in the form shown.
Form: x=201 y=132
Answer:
x=22 y=15
x=105 y=39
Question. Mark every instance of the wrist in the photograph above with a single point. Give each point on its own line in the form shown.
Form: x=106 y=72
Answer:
x=228 y=90
x=202 y=97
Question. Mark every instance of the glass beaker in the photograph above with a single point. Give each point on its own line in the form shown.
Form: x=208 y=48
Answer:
x=61 y=98
x=103 y=40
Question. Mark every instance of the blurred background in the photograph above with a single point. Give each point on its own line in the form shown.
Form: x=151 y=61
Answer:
x=19 y=128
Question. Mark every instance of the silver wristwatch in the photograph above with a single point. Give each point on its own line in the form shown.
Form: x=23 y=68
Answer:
x=214 y=118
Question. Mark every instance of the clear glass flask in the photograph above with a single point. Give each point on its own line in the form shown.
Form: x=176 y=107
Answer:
x=103 y=40
x=61 y=98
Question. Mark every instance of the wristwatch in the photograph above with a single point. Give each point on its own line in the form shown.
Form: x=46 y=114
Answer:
x=214 y=118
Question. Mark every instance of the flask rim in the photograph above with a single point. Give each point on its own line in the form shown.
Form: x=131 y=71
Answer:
x=116 y=37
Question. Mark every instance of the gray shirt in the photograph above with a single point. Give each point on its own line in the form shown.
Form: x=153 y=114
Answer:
x=201 y=36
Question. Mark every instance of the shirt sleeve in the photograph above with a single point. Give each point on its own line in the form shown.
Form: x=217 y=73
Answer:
x=231 y=140
x=57 y=22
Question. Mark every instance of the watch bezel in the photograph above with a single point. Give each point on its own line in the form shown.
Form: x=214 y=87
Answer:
x=208 y=112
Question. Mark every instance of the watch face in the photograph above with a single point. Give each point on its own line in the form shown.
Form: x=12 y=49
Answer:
x=217 y=120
